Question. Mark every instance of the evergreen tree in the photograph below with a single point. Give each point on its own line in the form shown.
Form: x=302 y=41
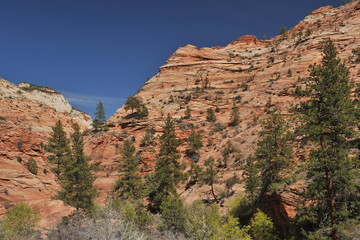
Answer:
x=209 y=175
x=168 y=170
x=252 y=179
x=283 y=31
x=129 y=185
x=99 y=115
x=273 y=153
x=132 y=103
x=328 y=121
x=262 y=228
x=187 y=113
x=135 y=103
x=174 y=214
x=77 y=180
x=235 y=118
x=59 y=146
x=210 y=117
x=195 y=141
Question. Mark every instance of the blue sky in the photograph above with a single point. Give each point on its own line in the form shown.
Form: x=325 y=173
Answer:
x=105 y=50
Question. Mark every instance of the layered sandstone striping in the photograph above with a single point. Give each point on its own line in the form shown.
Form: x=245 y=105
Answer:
x=27 y=114
x=260 y=76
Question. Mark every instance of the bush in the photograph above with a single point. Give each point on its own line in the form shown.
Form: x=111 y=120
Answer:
x=173 y=214
x=20 y=222
x=32 y=166
x=19 y=145
x=210 y=117
x=262 y=228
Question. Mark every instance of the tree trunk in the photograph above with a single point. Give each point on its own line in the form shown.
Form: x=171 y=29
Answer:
x=213 y=193
x=331 y=202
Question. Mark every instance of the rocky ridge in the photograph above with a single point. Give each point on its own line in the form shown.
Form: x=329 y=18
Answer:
x=27 y=114
x=260 y=76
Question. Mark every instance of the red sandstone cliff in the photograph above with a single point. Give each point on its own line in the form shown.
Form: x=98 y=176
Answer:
x=258 y=75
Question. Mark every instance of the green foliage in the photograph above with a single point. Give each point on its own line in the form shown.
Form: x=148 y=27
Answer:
x=228 y=149
x=59 y=147
x=129 y=185
x=32 y=166
x=209 y=175
x=19 y=223
x=289 y=73
x=187 y=113
x=77 y=180
x=262 y=228
x=241 y=208
x=244 y=86
x=210 y=117
x=136 y=213
x=135 y=103
x=204 y=222
x=174 y=214
x=274 y=152
x=168 y=170
x=194 y=141
x=148 y=139
x=328 y=120
x=235 y=118
x=283 y=31
x=231 y=230
x=252 y=178
x=100 y=117
x=19 y=145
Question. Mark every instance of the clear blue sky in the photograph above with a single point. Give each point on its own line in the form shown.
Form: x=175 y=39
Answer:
x=106 y=49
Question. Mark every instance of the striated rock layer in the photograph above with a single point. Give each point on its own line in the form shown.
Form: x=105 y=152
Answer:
x=27 y=114
x=258 y=75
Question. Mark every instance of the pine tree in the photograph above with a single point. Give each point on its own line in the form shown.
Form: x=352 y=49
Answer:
x=129 y=185
x=99 y=115
x=195 y=141
x=209 y=175
x=77 y=180
x=262 y=228
x=168 y=170
x=328 y=121
x=252 y=179
x=235 y=118
x=273 y=153
x=135 y=103
x=132 y=103
x=210 y=117
x=187 y=113
x=59 y=146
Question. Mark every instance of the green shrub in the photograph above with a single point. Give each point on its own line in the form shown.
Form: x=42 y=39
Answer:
x=262 y=227
x=20 y=222
x=32 y=166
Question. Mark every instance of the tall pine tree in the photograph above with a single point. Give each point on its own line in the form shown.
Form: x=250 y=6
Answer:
x=129 y=184
x=273 y=154
x=100 y=117
x=77 y=180
x=59 y=146
x=328 y=121
x=168 y=170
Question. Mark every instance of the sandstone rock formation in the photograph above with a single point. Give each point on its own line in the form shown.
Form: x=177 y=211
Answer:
x=27 y=114
x=258 y=75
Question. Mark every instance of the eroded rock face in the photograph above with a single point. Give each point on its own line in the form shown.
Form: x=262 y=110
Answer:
x=27 y=114
x=260 y=76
